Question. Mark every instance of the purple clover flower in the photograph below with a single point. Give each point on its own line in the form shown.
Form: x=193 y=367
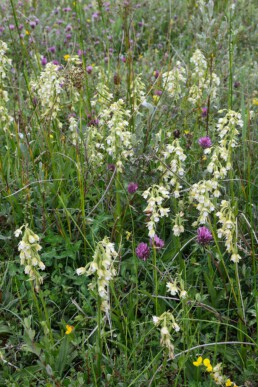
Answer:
x=204 y=236
x=11 y=26
x=132 y=187
x=205 y=142
x=157 y=242
x=142 y=251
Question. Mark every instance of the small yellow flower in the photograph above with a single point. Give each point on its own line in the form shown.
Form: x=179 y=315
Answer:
x=155 y=98
x=204 y=158
x=206 y=362
x=255 y=101
x=27 y=32
x=228 y=383
x=209 y=369
x=186 y=131
x=69 y=329
x=198 y=362
x=66 y=57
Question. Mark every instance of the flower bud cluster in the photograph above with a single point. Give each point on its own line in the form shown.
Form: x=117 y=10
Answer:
x=167 y=323
x=174 y=158
x=178 y=227
x=203 y=81
x=228 y=229
x=119 y=144
x=177 y=287
x=203 y=193
x=156 y=195
x=103 y=267
x=138 y=93
x=29 y=256
x=103 y=96
x=5 y=63
x=95 y=146
x=48 y=89
x=174 y=80
x=73 y=127
x=227 y=131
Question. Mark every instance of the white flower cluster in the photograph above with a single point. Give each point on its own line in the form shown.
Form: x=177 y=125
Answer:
x=178 y=227
x=174 y=80
x=202 y=80
x=227 y=131
x=95 y=146
x=29 y=256
x=174 y=158
x=118 y=141
x=103 y=96
x=138 y=93
x=5 y=64
x=103 y=266
x=73 y=127
x=228 y=229
x=177 y=287
x=167 y=321
x=48 y=89
x=156 y=195
x=203 y=192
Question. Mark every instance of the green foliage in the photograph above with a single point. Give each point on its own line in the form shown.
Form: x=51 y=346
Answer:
x=61 y=182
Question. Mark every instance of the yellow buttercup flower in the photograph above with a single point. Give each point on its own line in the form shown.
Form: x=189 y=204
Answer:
x=209 y=369
x=69 y=329
x=66 y=57
x=198 y=362
x=228 y=383
x=27 y=32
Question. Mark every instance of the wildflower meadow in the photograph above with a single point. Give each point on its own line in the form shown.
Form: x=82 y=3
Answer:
x=128 y=193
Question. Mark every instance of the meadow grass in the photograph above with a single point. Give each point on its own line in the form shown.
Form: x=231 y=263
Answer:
x=128 y=193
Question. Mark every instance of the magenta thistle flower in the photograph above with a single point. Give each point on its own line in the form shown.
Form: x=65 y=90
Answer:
x=142 y=251
x=132 y=188
x=205 y=142
x=157 y=242
x=204 y=236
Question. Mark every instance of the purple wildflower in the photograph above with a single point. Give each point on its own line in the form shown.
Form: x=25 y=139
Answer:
x=89 y=69
x=43 y=61
x=52 y=49
x=204 y=236
x=142 y=251
x=205 y=142
x=11 y=26
x=33 y=24
x=204 y=112
x=157 y=242
x=156 y=74
x=158 y=92
x=111 y=167
x=132 y=187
